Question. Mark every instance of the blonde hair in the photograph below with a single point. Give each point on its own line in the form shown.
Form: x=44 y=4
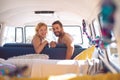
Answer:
x=39 y=25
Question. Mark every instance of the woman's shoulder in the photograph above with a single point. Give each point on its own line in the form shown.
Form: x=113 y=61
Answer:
x=36 y=37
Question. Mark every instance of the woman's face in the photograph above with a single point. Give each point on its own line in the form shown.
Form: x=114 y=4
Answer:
x=42 y=31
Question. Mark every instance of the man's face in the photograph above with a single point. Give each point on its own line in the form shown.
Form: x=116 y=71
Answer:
x=57 y=29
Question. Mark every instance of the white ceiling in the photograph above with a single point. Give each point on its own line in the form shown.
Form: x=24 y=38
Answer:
x=21 y=12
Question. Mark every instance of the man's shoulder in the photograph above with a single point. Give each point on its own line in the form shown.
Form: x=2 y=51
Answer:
x=68 y=36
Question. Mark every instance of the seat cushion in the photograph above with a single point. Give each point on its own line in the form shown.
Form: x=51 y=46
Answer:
x=86 y=54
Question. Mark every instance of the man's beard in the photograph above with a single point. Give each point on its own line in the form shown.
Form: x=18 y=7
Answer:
x=58 y=34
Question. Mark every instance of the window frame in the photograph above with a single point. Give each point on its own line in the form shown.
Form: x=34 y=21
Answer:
x=22 y=36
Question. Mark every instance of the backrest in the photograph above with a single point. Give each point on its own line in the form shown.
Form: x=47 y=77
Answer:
x=17 y=45
x=7 y=52
x=16 y=49
x=30 y=45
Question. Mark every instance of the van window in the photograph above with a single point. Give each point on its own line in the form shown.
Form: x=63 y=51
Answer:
x=75 y=31
x=25 y=34
x=29 y=33
x=19 y=34
x=96 y=27
x=8 y=35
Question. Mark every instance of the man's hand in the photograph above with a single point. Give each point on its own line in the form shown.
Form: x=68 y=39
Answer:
x=52 y=44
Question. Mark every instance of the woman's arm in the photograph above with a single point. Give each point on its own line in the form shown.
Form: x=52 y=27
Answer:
x=38 y=45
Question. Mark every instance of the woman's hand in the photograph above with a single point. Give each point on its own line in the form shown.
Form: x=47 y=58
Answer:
x=45 y=42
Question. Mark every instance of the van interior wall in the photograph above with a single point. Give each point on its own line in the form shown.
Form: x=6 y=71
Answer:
x=94 y=14
x=117 y=27
x=21 y=11
x=1 y=32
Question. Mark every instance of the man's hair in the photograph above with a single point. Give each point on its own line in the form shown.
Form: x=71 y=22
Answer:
x=58 y=22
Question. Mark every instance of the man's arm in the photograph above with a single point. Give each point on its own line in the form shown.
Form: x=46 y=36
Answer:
x=70 y=47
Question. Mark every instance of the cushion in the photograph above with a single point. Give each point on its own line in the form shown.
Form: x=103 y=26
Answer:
x=54 y=67
x=86 y=54
x=45 y=65
x=31 y=56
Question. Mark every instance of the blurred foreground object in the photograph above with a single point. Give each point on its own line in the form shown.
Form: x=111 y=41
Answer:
x=108 y=10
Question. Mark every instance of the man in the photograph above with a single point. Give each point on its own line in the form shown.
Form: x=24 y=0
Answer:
x=63 y=38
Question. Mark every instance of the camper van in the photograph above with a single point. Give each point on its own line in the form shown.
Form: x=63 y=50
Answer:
x=93 y=25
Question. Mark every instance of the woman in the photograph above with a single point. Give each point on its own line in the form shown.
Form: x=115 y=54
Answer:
x=39 y=41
